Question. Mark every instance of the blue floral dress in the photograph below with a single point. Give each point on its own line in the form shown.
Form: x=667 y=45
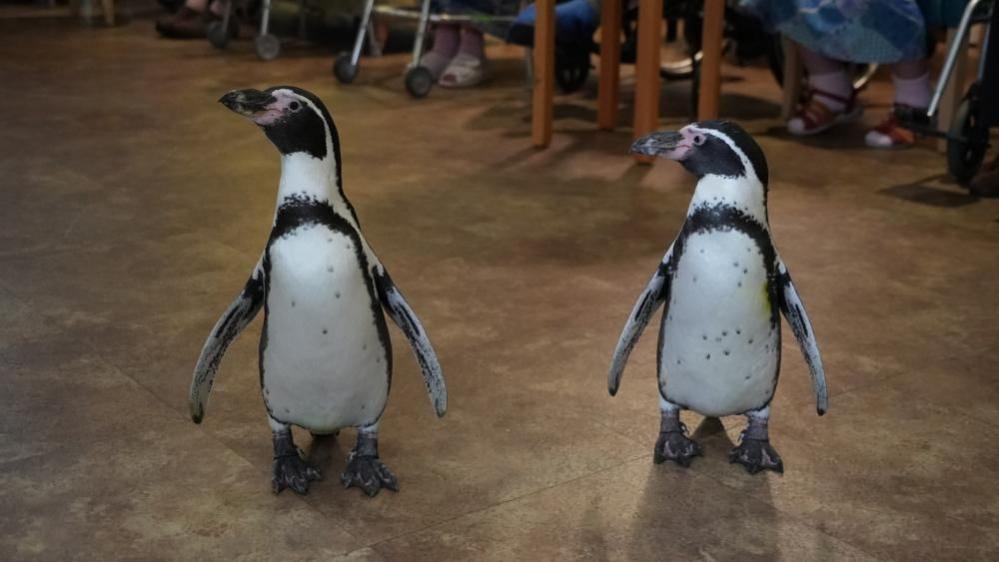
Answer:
x=877 y=31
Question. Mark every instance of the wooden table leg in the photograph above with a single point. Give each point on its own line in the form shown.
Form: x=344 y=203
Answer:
x=544 y=74
x=647 y=80
x=711 y=45
x=610 y=64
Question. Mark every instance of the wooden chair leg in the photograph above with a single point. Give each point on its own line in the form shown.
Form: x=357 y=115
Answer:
x=610 y=64
x=793 y=71
x=647 y=79
x=711 y=45
x=544 y=74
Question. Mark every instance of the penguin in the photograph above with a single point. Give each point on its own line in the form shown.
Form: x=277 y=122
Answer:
x=325 y=352
x=723 y=287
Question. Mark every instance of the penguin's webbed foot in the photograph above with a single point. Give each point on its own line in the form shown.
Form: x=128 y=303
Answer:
x=756 y=455
x=290 y=471
x=677 y=447
x=369 y=474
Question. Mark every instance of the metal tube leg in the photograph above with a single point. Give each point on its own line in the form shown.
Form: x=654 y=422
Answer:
x=373 y=47
x=265 y=17
x=362 y=30
x=955 y=51
x=227 y=15
x=421 y=32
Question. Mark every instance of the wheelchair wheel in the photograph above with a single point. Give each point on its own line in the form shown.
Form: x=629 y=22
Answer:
x=419 y=81
x=967 y=140
x=268 y=46
x=343 y=70
x=572 y=67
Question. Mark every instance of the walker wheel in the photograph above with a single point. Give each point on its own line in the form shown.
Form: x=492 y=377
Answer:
x=343 y=70
x=268 y=46
x=967 y=140
x=217 y=35
x=419 y=81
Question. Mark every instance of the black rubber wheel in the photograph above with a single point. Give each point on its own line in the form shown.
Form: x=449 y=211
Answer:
x=268 y=46
x=967 y=140
x=419 y=81
x=343 y=70
x=218 y=36
x=572 y=68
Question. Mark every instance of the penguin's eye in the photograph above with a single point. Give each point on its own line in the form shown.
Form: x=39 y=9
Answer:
x=698 y=140
x=294 y=106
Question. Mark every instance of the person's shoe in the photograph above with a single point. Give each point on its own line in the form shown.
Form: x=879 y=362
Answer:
x=814 y=116
x=575 y=22
x=890 y=133
x=464 y=71
x=185 y=24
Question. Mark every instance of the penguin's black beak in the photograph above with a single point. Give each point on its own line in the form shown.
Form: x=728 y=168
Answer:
x=666 y=144
x=247 y=103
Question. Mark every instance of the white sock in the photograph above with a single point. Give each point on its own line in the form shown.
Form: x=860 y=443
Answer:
x=835 y=83
x=913 y=92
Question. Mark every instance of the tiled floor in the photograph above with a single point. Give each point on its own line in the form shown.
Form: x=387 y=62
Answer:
x=133 y=207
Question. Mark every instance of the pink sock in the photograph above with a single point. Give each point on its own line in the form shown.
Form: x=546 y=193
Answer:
x=446 y=37
x=913 y=92
x=472 y=43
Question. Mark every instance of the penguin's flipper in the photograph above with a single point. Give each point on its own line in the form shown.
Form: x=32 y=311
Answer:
x=794 y=312
x=654 y=295
x=240 y=313
x=406 y=319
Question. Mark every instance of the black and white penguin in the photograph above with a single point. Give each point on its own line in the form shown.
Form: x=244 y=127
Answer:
x=723 y=286
x=325 y=352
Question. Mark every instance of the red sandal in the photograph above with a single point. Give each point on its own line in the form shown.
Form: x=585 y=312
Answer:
x=813 y=116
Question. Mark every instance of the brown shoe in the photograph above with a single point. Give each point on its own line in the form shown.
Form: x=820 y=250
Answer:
x=185 y=24
x=986 y=182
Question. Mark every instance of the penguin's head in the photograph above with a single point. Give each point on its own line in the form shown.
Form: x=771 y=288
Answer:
x=295 y=120
x=709 y=148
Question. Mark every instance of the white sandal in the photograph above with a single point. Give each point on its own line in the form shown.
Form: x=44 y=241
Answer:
x=464 y=71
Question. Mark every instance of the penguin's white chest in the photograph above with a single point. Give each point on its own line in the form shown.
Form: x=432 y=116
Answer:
x=324 y=363
x=720 y=352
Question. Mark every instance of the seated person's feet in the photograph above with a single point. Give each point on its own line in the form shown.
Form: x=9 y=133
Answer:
x=890 y=133
x=185 y=24
x=822 y=111
x=575 y=22
x=464 y=71
x=447 y=37
x=468 y=68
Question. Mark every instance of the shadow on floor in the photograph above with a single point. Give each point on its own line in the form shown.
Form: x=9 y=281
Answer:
x=936 y=191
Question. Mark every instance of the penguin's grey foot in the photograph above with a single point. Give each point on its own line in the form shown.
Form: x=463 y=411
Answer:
x=290 y=471
x=676 y=446
x=756 y=455
x=369 y=474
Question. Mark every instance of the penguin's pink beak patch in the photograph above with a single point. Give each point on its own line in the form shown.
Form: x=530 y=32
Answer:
x=262 y=108
x=666 y=144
